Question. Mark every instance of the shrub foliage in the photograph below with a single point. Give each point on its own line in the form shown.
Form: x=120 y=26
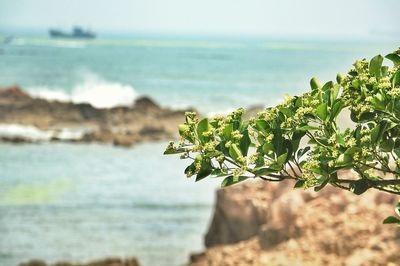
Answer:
x=352 y=124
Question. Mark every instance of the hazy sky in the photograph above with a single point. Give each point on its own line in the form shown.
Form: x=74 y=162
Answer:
x=355 y=18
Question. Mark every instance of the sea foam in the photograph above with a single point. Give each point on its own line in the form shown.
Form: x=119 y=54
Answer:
x=25 y=132
x=32 y=133
x=92 y=89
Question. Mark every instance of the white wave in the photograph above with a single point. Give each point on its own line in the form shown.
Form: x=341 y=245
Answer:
x=70 y=133
x=31 y=133
x=24 y=132
x=48 y=94
x=94 y=90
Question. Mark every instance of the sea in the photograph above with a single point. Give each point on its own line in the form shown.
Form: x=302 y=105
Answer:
x=79 y=202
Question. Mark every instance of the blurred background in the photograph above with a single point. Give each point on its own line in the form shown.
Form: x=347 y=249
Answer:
x=82 y=201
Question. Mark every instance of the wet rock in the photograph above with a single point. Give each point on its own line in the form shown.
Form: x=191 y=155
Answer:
x=102 y=262
x=124 y=141
x=34 y=263
x=13 y=93
x=146 y=104
x=122 y=126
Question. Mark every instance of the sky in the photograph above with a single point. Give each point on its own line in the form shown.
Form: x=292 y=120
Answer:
x=315 y=18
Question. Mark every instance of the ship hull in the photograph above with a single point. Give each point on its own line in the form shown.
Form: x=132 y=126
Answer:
x=60 y=34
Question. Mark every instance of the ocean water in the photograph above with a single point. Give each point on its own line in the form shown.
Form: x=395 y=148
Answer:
x=214 y=76
x=82 y=202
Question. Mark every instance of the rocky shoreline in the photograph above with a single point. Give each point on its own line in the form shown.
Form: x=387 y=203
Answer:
x=260 y=223
x=102 y=262
x=24 y=118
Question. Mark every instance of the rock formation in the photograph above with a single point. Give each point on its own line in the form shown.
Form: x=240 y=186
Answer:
x=66 y=121
x=260 y=223
x=102 y=262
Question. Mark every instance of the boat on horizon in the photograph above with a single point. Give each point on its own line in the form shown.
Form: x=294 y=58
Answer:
x=77 y=33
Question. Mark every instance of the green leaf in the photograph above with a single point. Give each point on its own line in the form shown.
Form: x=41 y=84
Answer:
x=245 y=143
x=327 y=86
x=375 y=134
x=234 y=152
x=339 y=78
x=218 y=172
x=344 y=160
x=360 y=186
x=267 y=148
x=299 y=184
x=367 y=116
x=264 y=171
x=182 y=128
x=391 y=220
x=231 y=180
x=397 y=152
x=307 y=128
x=314 y=83
x=281 y=159
x=387 y=145
x=172 y=150
x=378 y=101
x=385 y=70
x=278 y=142
x=190 y=170
x=286 y=111
x=298 y=102
x=352 y=150
x=375 y=66
x=335 y=92
x=202 y=127
x=324 y=180
x=205 y=170
x=303 y=151
x=228 y=131
x=396 y=79
x=202 y=174
x=317 y=170
x=261 y=124
x=322 y=111
x=395 y=58
x=336 y=108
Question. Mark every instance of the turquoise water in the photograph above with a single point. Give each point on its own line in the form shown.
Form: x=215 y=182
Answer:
x=212 y=76
x=82 y=202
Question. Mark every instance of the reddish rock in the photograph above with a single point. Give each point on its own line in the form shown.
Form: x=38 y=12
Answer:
x=260 y=223
x=13 y=93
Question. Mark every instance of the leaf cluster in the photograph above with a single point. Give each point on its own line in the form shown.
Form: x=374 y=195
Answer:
x=351 y=124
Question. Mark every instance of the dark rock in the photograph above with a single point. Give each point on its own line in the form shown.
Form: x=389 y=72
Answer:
x=152 y=131
x=124 y=141
x=122 y=126
x=88 y=112
x=14 y=140
x=146 y=104
x=34 y=263
x=102 y=262
x=13 y=93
